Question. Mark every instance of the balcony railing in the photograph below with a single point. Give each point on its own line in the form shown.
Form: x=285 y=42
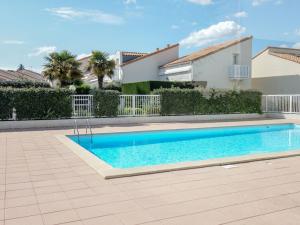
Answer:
x=239 y=72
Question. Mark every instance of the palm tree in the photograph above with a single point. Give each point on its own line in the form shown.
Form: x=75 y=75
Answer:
x=100 y=65
x=62 y=66
x=21 y=67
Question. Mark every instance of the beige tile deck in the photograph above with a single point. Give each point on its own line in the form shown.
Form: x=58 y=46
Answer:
x=42 y=182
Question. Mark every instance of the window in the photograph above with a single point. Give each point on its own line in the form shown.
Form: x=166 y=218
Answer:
x=235 y=59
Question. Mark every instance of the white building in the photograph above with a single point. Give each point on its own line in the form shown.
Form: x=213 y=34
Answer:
x=120 y=58
x=277 y=71
x=225 y=65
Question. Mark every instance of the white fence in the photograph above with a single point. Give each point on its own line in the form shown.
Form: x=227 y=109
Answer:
x=139 y=105
x=130 y=105
x=281 y=103
x=82 y=106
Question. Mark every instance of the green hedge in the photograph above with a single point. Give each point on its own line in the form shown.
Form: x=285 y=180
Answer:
x=177 y=101
x=148 y=86
x=106 y=103
x=37 y=103
x=24 y=84
x=6 y=100
x=112 y=87
x=83 y=89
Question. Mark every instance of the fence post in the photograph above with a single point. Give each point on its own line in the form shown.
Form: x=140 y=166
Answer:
x=266 y=103
x=133 y=105
x=14 y=114
x=291 y=103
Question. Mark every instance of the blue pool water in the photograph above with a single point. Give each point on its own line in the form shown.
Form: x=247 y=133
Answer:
x=139 y=149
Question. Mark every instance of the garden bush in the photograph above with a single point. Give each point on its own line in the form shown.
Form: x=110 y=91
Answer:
x=177 y=101
x=24 y=84
x=106 y=103
x=112 y=87
x=37 y=103
x=148 y=86
x=83 y=89
x=6 y=100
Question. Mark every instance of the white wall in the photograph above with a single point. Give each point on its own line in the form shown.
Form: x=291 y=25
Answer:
x=277 y=84
x=148 y=68
x=179 y=77
x=177 y=73
x=266 y=65
x=215 y=68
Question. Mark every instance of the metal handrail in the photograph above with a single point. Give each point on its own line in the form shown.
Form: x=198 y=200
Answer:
x=76 y=129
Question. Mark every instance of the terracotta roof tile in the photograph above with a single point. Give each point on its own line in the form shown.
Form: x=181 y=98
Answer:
x=150 y=54
x=134 y=53
x=288 y=56
x=20 y=75
x=205 y=52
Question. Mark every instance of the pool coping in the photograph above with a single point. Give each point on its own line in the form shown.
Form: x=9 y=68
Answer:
x=108 y=172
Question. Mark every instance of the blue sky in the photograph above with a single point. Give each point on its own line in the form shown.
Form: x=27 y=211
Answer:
x=31 y=29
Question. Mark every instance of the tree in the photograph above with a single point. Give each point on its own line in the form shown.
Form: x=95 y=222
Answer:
x=21 y=67
x=62 y=66
x=100 y=65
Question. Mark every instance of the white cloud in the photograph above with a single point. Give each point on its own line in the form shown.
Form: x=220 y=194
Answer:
x=297 y=31
x=174 y=27
x=297 y=45
x=283 y=46
x=213 y=33
x=90 y=15
x=241 y=14
x=201 y=2
x=83 y=55
x=194 y=23
x=13 y=42
x=260 y=2
x=128 y=2
x=43 y=50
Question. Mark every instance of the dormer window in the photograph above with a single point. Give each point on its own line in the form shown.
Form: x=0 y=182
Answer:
x=235 y=59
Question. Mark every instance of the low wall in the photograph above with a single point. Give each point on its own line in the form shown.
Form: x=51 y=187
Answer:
x=67 y=123
x=283 y=115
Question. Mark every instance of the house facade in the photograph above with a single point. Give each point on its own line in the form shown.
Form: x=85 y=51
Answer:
x=120 y=58
x=226 y=65
x=277 y=71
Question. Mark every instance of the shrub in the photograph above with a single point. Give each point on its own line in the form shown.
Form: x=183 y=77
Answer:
x=112 y=87
x=24 y=84
x=38 y=103
x=83 y=89
x=177 y=101
x=106 y=103
x=6 y=100
x=148 y=86
x=136 y=88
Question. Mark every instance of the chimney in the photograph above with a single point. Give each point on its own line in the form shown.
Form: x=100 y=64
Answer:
x=157 y=49
x=168 y=45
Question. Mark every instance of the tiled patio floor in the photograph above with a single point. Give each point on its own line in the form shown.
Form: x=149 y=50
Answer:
x=42 y=182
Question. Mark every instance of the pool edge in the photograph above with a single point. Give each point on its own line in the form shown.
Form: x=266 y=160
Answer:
x=108 y=172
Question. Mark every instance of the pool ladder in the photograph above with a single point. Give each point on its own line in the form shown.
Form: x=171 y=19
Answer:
x=88 y=127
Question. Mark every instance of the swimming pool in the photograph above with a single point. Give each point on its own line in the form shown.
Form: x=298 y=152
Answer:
x=142 y=149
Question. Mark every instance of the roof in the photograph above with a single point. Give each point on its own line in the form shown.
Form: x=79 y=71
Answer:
x=290 y=54
x=150 y=54
x=133 y=53
x=287 y=56
x=205 y=52
x=122 y=52
x=21 y=75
